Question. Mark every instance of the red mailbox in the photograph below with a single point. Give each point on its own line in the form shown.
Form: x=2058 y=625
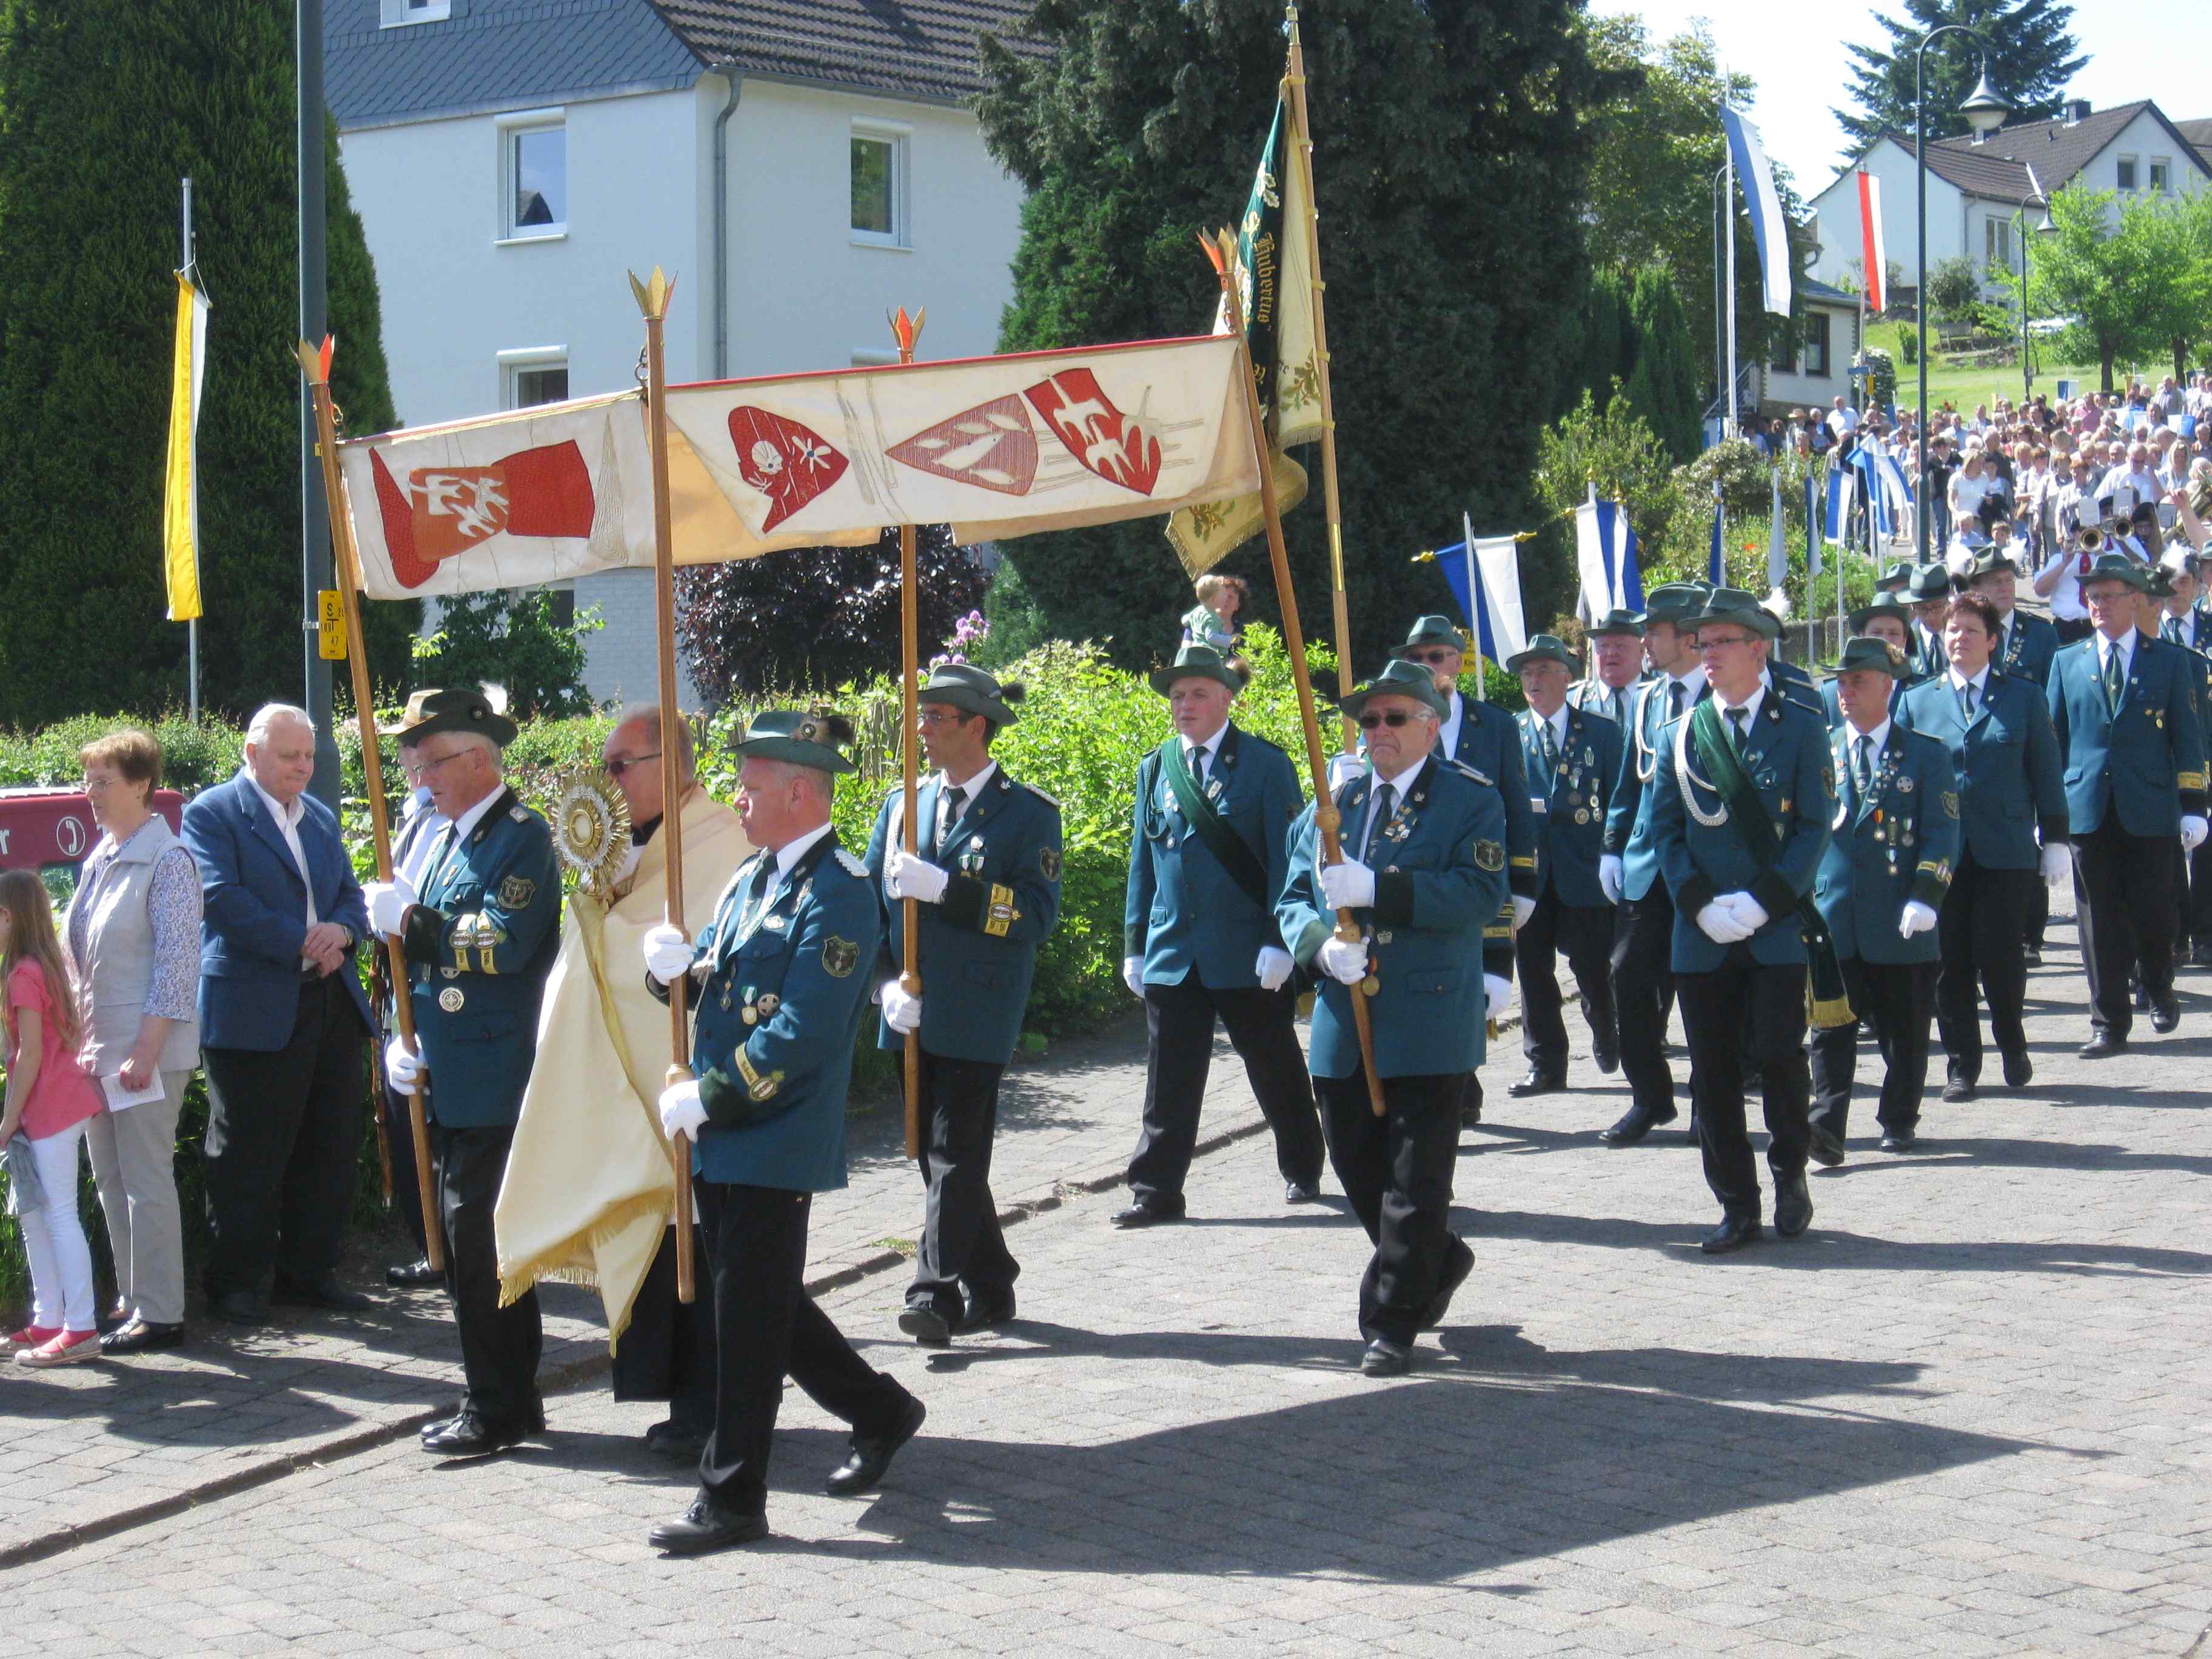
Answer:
x=42 y=828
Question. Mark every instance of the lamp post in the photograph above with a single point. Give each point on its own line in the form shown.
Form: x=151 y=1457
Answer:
x=1722 y=227
x=1985 y=113
x=2021 y=230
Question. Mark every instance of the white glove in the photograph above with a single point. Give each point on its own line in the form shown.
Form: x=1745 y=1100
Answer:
x=403 y=1067
x=906 y=877
x=1347 y=886
x=1748 y=910
x=1344 y=960
x=1609 y=870
x=2192 y=832
x=1132 y=974
x=1496 y=996
x=1522 y=910
x=901 y=1013
x=1917 y=918
x=2058 y=864
x=1274 y=968
x=1717 y=922
x=388 y=901
x=1342 y=768
x=681 y=1114
x=667 y=953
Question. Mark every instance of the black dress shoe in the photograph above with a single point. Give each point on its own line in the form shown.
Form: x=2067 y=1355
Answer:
x=2142 y=999
x=707 y=1526
x=2202 y=956
x=1301 y=1192
x=533 y=1419
x=470 y=1435
x=1793 y=1205
x=2165 y=1013
x=1470 y=1117
x=1957 y=1088
x=2033 y=955
x=327 y=1293
x=982 y=1313
x=1633 y=1126
x=142 y=1336
x=239 y=1308
x=925 y=1325
x=1459 y=1262
x=1733 y=1233
x=2019 y=1070
x=1537 y=1083
x=1898 y=1140
x=1825 y=1148
x=1386 y=1359
x=674 y=1439
x=1141 y=1214
x=872 y=1454
x=1608 y=1060
x=413 y=1275
x=2102 y=1046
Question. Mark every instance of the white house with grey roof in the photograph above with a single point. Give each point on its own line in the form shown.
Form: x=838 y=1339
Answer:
x=800 y=167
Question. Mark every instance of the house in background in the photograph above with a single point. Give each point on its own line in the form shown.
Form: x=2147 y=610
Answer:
x=800 y=167
x=1977 y=185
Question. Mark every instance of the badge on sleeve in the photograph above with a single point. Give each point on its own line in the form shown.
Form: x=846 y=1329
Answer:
x=1490 y=855
x=516 y=892
x=1950 y=805
x=1048 y=863
x=839 y=957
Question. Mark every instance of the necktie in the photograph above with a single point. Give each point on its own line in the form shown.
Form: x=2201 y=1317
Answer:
x=1386 y=803
x=1862 y=768
x=1194 y=758
x=1674 y=700
x=1966 y=700
x=755 y=895
x=1550 y=748
x=948 y=814
x=1736 y=717
x=1618 y=708
x=2112 y=675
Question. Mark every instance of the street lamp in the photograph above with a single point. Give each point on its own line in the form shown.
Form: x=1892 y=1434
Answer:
x=2021 y=230
x=1985 y=113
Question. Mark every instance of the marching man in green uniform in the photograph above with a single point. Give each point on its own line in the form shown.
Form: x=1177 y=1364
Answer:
x=479 y=937
x=1740 y=811
x=1573 y=757
x=1616 y=644
x=779 y=984
x=1881 y=883
x=986 y=878
x=1423 y=872
x=1888 y=619
x=1207 y=864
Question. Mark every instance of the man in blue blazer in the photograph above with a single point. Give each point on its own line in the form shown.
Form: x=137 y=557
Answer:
x=2025 y=645
x=1200 y=940
x=2125 y=712
x=283 y=1022
x=1573 y=760
x=1881 y=882
x=2187 y=622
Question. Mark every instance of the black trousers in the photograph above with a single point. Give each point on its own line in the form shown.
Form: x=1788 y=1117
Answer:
x=2124 y=895
x=2197 y=916
x=1979 y=932
x=668 y=1350
x=766 y=1328
x=2038 y=916
x=962 y=1244
x=284 y=1132
x=1745 y=1009
x=500 y=1346
x=1263 y=1028
x=1583 y=933
x=400 y=1136
x=1898 y=997
x=1643 y=982
x=1397 y=1171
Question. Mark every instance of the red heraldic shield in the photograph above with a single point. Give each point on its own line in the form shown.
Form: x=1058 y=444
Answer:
x=782 y=459
x=445 y=510
x=1097 y=434
x=992 y=446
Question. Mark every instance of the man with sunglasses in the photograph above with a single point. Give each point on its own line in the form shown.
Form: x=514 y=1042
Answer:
x=1423 y=874
x=1482 y=736
x=1741 y=807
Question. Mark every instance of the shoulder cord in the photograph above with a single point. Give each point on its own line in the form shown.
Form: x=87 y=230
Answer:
x=1685 y=777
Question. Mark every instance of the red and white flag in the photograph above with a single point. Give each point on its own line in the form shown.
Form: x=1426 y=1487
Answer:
x=1876 y=258
x=510 y=500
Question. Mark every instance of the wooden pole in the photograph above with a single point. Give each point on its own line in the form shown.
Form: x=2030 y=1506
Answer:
x=906 y=330
x=315 y=364
x=652 y=304
x=1223 y=255
x=1294 y=77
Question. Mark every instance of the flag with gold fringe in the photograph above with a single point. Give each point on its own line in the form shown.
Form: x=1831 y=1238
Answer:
x=180 y=495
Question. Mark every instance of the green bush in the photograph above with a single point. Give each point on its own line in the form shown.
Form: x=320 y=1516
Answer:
x=1908 y=346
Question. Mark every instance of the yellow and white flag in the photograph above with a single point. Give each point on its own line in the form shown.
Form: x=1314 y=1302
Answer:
x=180 y=496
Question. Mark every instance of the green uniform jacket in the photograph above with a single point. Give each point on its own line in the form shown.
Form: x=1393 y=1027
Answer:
x=1628 y=818
x=2145 y=760
x=1831 y=702
x=1570 y=798
x=1897 y=842
x=479 y=948
x=1490 y=743
x=2031 y=642
x=2007 y=762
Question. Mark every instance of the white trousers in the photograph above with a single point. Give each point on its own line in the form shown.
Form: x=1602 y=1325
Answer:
x=133 y=1159
x=53 y=1238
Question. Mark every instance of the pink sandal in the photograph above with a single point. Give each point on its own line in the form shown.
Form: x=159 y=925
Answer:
x=68 y=1348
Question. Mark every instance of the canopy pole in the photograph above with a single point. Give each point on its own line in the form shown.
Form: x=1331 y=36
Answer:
x=906 y=330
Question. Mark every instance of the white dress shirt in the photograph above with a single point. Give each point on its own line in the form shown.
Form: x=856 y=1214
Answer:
x=287 y=825
x=1980 y=682
x=1447 y=733
x=1874 y=740
x=1398 y=783
x=1198 y=753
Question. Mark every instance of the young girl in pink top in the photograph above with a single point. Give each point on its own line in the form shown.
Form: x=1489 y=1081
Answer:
x=49 y=1099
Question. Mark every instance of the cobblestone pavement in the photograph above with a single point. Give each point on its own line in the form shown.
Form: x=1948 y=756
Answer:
x=1959 y=1416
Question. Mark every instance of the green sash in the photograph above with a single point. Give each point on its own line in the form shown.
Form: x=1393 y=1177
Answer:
x=1230 y=848
x=1830 y=1005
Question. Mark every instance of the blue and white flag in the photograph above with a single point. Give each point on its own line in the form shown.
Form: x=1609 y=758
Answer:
x=1843 y=481
x=1811 y=524
x=1606 y=560
x=1768 y=228
x=1716 y=555
x=1485 y=579
x=1778 y=535
x=1627 y=573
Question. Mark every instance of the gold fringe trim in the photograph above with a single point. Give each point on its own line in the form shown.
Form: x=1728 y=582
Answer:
x=517 y=1281
x=1829 y=1013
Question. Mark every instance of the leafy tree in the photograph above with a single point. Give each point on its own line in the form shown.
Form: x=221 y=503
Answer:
x=1954 y=289
x=1614 y=451
x=1663 y=389
x=1450 y=158
x=511 y=639
x=1607 y=354
x=816 y=617
x=103 y=103
x=2025 y=44
x=2130 y=272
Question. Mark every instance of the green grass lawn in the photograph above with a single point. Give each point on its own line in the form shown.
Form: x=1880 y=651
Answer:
x=1951 y=378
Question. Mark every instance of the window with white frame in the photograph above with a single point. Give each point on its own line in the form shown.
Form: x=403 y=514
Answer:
x=394 y=13
x=2127 y=172
x=1816 y=344
x=534 y=179
x=2161 y=174
x=533 y=376
x=879 y=186
x=1996 y=243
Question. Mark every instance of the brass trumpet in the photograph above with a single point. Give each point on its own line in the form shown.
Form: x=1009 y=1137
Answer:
x=2090 y=539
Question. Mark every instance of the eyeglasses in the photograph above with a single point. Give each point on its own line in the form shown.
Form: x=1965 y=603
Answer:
x=430 y=766
x=929 y=717
x=616 y=768
x=1712 y=642
x=1431 y=658
x=1393 y=718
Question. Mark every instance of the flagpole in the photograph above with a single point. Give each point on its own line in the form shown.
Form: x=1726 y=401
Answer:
x=315 y=364
x=906 y=331
x=1223 y=254
x=1474 y=604
x=192 y=626
x=1294 y=75
x=1728 y=235
x=652 y=304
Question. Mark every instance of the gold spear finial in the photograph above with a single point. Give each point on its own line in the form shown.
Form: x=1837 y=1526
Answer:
x=653 y=294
